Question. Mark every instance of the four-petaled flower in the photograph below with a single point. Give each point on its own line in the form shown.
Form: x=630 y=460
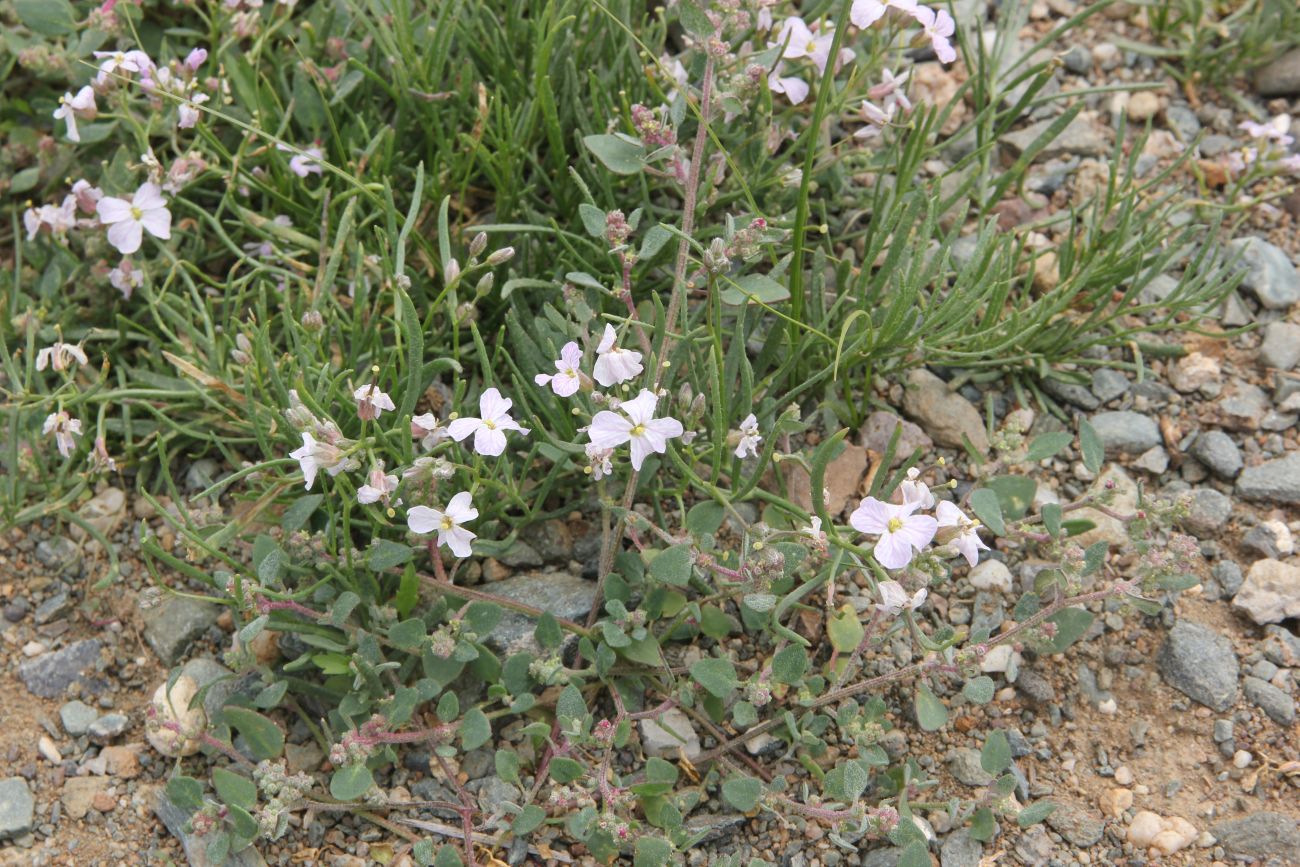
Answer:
x=305 y=163
x=60 y=355
x=800 y=41
x=893 y=598
x=901 y=532
x=967 y=540
x=126 y=61
x=371 y=402
x=73 y=107
x=126 y=220
x=64 y=427
x=614 y=364
x=379 y=486
x=315 y=455
x=567 y=377
x=749 y=437
x=938 y=26
x=636 y=425
x=428 y=430
x=489 y=429
x=423 y=520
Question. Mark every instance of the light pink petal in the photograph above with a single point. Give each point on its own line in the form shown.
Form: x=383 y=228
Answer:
x=125 y=236
x=148 y=197
x=571 y=355
x=892 y=551
x=641 y=408
x=609 y=429
x=463 y=427
x=542 y=379
x=458 y=539
x=491 y=405
x=871 y=516
x=113 y=210
x=640 y=451
x=565 y=386
x=918 y=530
x=864 y=13
x=948 y=514
x=461 y=508
x=970 y=545
x=664 y=428
x=943 y=49
x=489 y=442
x=607 y=340
x=422 y=519
x=159 y=222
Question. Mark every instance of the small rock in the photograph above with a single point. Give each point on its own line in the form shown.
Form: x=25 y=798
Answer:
x=1035 y=687
x=560 y=593
x=195 y=845
x=122 y=761
x=1270 y=274
x=714 y=826
x=105 y=512
x=1143 y=106
x=1281 y=77
x=56 y=606
x=79 y=792
x=1281 y=346
x=173 y=706
x=1109 y=384
x=1183 y=122
x=1077 y=60
x=33 y=649
x=843 y=479
x=1244 y=408
x=1076 y=825
x=1208 y=511
x=103 y=802
x=1154 y=461
x=1219 y=453
x=671 y=732
x=175 y=623
x=998 y=659
x=1200 y=663
x=1279 y=706
x=108 y=728
x=964 y=763
x=1259 y=835
x=1242 y=759
x=53 y=673
x=1123 y=775
x=46 y=747
x=17 y=808
x=1113 y=802
x=961 y=850
x=1126 y=432
x=1271 y=592
x=880 y=426
x=1166 y=835
x=1193 y=372
x=15 y=611
x=1083 y=137
x=303 y=758
x=76 y=717
x=1270 y=539
x=943 y=414
x=991 y=575
x=1123 y=492
x=1275 y=481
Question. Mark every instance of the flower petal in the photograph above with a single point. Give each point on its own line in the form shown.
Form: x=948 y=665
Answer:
x=113 y=210
x=871 y=516
x=125 y=236
x=158 y=221
x=422 y=519
x=892 y=551
x=463 y=427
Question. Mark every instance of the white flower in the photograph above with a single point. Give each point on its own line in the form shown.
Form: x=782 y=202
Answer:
x=187 y=114
x=371 y=402
x=378 y=487
x=125 y=278
x=567 y=378
x=814 y=529
x=57 y=218
x=916 y=492
x=800 y=41
x=890 y=90
x=938 y=26
x=893 y=598
x=422 y=520
x=126 y=61
x=598 y=462
x=967 y=540
x=87 y=196
x=72 y=107
x=428 y=430
x=900 y=531
x=864 y=13
x=749 y=437
x=615 y=365
x=64 y=427
x=795 y=89
x=636 y=425
x=490 y=428
x=316 y=455
x=126 y=220
x=305 y=163
x=59 y=355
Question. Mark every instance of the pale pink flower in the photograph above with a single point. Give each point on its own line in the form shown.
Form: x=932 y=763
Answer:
x=567 y=378
x=379 y=486
x=428 y=468
x=599 y=463
x=795 y=89
x=938 y=27
x=814 y=529
x=100 y=459
x=489 y=429
x=423 y=520
x=901 y=532
x=195 y=59
x=967 y=540
x=636 y=425
x=893 y=598
x=1275 y=130
x=125 y=278
x=305 y=163
x=315 y=455
x=187 y=113
x=127 y=220
x=71 y=108
x=60 y=355
x=613 y=363
x=371 y=402
x=915 y=491
x=864 y=13
x=87 y=197
x=58 y=219
x=890 y=89
x=749 y=437
x=800 y=41
x=64 y=427
x=122 y=61
x=428 y=430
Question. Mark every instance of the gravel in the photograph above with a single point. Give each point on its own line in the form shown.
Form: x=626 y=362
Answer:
x=1275 y=481
x=1076 y=825
x=49 y=675
x=17 y=808
x=965 y=766
x=562 y=594
x=171 y=627
x=1270 y=275
x=961 y=850
x=1109 y=384
x=1259 y=835
x=1279 y=706
x=1207 y=511
x=1219 y=453
x=1126 y=432
x=1200 y=663
x=1281 y=346
x=946 y=416
x=1281 y=77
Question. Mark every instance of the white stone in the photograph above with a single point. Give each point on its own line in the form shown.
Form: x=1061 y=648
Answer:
x=173 y=707
x=998 y=659
x=34 y=648
x=1242 y=759
x=668 y=734
x=46 y=748
x=991 y=575
x=1123 y=775
x=1166 y=835
x=1271 y=592
x=1194 y=371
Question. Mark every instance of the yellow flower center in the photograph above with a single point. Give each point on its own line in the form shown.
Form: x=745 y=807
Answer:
x=489 y=425
x=136 y=213
x=638 y=430
x=447 y=523
x=895 y=524
x=811 y=48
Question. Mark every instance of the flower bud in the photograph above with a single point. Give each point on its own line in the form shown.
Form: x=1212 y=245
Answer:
x=451 y=272
x=485 y=284
x=502 y=256
x=313 y=321
x=479 y=244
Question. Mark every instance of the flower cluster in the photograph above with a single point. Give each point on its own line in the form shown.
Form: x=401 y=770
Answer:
x=902 y=532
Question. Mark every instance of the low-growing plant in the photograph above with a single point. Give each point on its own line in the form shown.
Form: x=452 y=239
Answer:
x=415 y=321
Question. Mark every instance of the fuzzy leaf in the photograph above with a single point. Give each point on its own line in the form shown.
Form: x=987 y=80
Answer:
x=620 y=154
x=753 y=287
x=789 y=665
x=185 y=792
x=593 y=219
x=979 y=689
x=742 y=792
x=1035 y=813
x=986 y=506
x=716 y=675
x=475 y=730
x=673 y=565
x=1047 y=445
x=930 y=711
x=528 y=821
x=351 y=782
x=264 y=737
x=996 y=755
x=652 y=852
x=1090 y=446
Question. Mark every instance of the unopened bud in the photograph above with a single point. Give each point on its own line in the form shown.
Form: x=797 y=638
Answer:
x=479 y=244
x=451 y=271
x=485 y=284
x=313 y=321
x=502 y=256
